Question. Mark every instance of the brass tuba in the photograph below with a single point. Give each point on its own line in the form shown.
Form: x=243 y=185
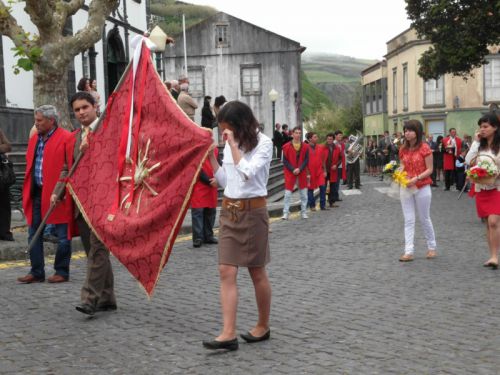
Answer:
x=355 y=147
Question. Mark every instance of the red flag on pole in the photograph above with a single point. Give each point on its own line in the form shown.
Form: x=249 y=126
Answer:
x=134 y=182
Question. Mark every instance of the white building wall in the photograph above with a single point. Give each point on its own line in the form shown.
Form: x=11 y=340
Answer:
x=19 y=88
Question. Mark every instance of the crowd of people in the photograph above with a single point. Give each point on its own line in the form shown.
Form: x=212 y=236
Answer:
x=448 y=156
x=243 y=173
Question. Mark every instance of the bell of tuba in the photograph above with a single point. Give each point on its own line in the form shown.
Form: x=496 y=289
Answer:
x=355 y=147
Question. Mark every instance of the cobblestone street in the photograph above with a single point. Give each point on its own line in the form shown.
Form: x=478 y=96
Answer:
x=342 y=304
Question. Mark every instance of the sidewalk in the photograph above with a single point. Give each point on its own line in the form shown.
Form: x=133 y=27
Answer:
x=17 y=250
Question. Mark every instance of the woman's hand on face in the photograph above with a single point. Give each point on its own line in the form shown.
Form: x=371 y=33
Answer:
x=228 y=135
x=476 y=136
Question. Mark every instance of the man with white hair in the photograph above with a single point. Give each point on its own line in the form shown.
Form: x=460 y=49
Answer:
x=186 y=102
x=47 y=151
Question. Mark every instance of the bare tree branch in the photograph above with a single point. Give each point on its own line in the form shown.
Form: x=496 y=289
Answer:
x=9 y=26
x=87 y=36
x=41 y=14
x=73 y=6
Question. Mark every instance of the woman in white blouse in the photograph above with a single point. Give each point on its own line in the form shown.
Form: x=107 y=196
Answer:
x=244 y=221
x=486 y=146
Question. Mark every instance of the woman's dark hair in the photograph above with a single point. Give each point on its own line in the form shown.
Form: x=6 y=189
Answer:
x=219 y=100
x=244 y=124
x=416 y=126
x=493 y=119
x=439 y=139
x=81 y=84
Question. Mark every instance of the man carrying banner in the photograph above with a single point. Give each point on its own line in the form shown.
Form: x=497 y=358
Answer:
x=97 y=291
x=45 y=157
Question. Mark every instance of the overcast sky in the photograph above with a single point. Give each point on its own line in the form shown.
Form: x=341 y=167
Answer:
x=357 y=28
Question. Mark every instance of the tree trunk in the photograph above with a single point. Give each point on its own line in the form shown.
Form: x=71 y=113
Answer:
x=50 y=86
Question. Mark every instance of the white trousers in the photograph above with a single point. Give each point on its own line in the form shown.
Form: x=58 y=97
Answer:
x=288 y=198
x=421 y=201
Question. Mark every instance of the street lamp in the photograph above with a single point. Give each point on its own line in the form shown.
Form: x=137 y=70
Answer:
x=273 y=96
x=159 y=38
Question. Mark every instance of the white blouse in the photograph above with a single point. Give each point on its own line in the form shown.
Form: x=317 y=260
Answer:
x=473 y=152
x=249 y=178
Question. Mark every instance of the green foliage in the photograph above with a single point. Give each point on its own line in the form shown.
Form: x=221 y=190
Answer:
x=172 y=12
x=460 y=32
x=28 y=54
x=327 y=119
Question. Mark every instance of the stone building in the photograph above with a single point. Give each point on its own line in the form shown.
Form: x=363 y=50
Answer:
x=394 y=92
x=231 y=57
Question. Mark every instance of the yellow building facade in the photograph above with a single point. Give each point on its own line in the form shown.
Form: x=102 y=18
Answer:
x=449 y=102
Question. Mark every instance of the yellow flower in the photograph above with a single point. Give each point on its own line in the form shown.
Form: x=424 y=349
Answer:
x=400 y=177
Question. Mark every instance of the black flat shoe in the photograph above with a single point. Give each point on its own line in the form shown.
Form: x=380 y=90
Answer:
x=212 y=241
x=228 y=344
x=248 y=337
x=493 y=266
x=85 y=309
x=106 y=307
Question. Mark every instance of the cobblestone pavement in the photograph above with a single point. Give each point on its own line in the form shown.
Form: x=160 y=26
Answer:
x=342 y=304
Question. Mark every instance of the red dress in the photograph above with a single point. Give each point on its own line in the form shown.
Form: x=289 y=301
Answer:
x=414 y=163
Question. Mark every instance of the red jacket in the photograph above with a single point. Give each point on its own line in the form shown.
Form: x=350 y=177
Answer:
x=291 y=162
x=55 y=153
x=317 y=159
x=338 y=156
x=449 y=158
x=205 y=196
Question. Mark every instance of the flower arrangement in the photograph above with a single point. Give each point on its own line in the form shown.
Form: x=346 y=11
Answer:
x=399 y=176
x=399 y=180
x=484 y=172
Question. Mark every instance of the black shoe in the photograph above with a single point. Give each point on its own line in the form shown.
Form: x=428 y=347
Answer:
x=106 y=307
x=493 y=265
x=228 y=344
x=85 y=309
x=338 y=200
x=197 y=243
x=212 y=241
x=248 y=337
x=358 y=187
x=324 y=209
x=7 y=237
x=446 y=189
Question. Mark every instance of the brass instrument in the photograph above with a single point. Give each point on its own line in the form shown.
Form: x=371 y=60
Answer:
x=355 y=147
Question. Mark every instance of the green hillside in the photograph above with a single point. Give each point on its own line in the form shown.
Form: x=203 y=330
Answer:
x=336 y=75
x=170 y=13
x=312 y=97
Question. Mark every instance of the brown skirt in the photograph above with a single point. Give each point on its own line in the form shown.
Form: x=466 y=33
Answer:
x=244 y=242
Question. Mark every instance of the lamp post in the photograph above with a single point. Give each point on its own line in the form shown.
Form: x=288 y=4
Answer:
x=159 y=38
x=273 y=96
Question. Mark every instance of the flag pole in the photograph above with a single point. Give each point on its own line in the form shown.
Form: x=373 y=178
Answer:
x=185 y=49
x=59 y=194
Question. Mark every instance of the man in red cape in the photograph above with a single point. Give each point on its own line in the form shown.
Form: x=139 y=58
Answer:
x=452 y=145
x=134 y=182
x=295 y=160
x=317 y=172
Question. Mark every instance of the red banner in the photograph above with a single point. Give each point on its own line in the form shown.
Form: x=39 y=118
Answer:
x=137 y=205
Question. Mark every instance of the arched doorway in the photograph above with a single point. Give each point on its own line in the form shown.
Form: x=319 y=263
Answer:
x=116 y=59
